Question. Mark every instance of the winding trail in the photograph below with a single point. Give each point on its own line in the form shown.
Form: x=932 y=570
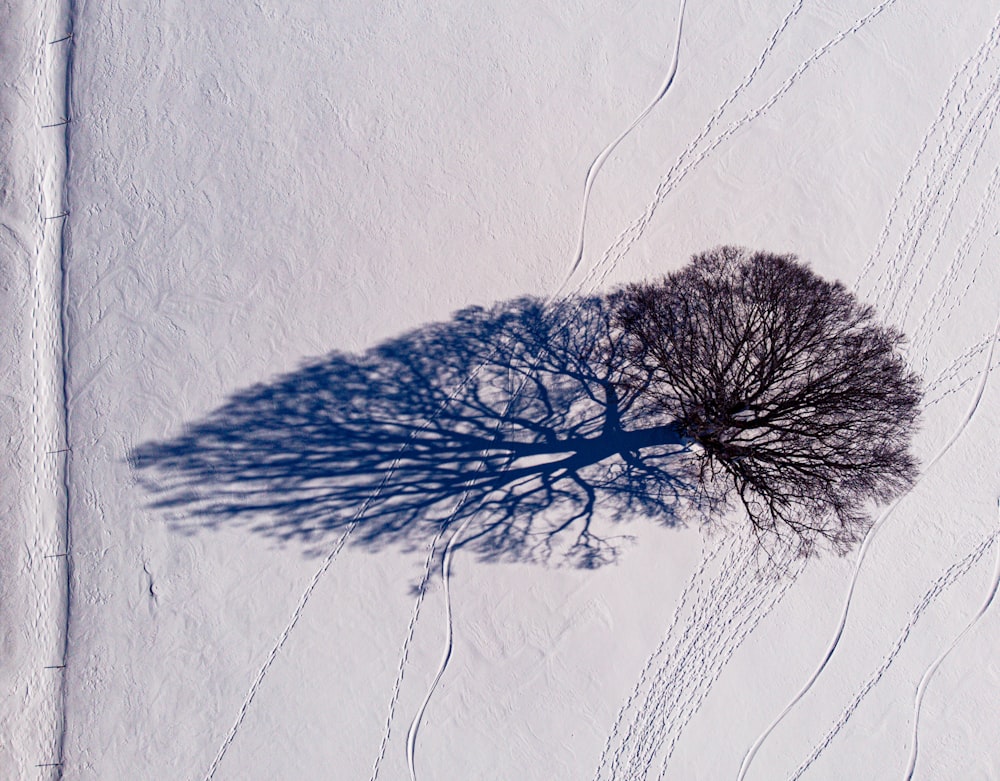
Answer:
x=929 y=673
x=449 y=644
x=950 y=576
x=605 y=153
x=866 y=543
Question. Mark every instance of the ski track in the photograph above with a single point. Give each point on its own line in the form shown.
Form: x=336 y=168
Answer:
x=872 y=533
x=411 y=736
x=401 y=668
x=605 y=153
x=591 y=176
x=332 y=555
x=929 y=673
x=592 y=172
x=959 y=386
x=682 y=167
x=421 y=593
x=950 y=576
x=931 y=314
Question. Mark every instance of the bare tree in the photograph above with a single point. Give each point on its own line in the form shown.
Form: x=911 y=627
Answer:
x=798 y=399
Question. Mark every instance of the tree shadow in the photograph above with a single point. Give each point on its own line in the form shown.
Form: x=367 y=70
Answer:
x=513 y=418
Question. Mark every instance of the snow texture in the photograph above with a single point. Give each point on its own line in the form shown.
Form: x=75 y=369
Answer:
x=219 y=207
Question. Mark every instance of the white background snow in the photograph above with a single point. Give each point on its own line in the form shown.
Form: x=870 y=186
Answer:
x=249 y=186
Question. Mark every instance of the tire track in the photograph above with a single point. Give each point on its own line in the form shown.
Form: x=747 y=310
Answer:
x=866 y=543
x=949 y=577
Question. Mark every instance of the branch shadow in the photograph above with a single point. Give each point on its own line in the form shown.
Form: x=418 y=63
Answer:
x=514 y=418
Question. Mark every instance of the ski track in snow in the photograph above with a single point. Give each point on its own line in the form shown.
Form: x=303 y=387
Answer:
x=949 y=577
x=592 y=172
x=401 y=668
x=594 y=284
x=411 y=735
x=605 y=153
x=895 y=272
x=449 y=631
x=929 y=673
x=591 y=176
x=890 y=283
x=872 y=533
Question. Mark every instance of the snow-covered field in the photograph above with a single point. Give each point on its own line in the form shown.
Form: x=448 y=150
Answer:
x=257 y=228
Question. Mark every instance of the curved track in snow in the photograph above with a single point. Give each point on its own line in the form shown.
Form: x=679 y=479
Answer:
x=605 y=153
x=449 y=644
x=940 y=584
x=925 y=680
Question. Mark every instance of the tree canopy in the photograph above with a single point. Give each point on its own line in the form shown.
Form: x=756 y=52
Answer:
x=799 y=401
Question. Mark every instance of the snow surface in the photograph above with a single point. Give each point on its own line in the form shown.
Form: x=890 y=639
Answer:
x=252 y=188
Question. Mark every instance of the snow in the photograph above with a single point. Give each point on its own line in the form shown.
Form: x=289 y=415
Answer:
x=251 y=188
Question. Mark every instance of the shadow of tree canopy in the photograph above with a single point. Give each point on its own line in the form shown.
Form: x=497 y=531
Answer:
x=514 y=418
